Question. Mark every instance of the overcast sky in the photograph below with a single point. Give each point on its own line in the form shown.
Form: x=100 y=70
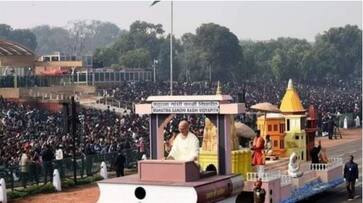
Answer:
x=248 y=20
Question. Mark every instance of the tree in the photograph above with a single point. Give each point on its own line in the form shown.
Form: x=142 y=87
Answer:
x=80 y=38
x=221 y=48
x=141 y=43
x=339 y=51
x=51 y=39
x=137 y=58
x=5 y=30
x=87 y=36
x=164 y=59
x=105 y=57
x=22 y=36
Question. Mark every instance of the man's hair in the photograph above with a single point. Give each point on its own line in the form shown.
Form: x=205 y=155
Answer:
x=351 y=157
x=258 y=132
x=184 y=121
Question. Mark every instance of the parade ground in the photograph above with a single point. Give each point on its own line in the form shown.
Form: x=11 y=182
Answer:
x=350 y=144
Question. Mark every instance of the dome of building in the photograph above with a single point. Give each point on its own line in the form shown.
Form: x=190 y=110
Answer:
x=291 y=102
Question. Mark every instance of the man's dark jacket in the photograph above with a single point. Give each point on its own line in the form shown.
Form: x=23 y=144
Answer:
x=351 y=171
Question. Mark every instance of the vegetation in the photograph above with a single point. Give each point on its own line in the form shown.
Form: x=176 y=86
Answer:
x=31 y=190
x=22 y=36
x=79 y=38
x=212 y=53
x=215 y=53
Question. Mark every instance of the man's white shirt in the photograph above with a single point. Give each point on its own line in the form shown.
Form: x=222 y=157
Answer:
x=59 y=154
x=185 y=148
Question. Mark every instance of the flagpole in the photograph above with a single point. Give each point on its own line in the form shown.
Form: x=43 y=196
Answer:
x=171 y=48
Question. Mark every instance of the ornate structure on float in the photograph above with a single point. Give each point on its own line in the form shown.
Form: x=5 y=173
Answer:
x=292 y=130
x=295 y=118
x=240 y=158
x=311 y=129
x=273 y=124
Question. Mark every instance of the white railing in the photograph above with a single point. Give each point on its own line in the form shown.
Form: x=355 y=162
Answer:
x=265 y=176
x=332 y=162
x=285 y=180
x=336 y=160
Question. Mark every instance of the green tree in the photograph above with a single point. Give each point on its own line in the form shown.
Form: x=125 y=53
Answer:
x=222 y=51
x=137 y=58
x=144 y=39
x=22 y=36
x=164 y=59
x=339 y=52
x=105 y=57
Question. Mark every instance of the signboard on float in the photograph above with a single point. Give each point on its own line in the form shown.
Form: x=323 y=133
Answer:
x=185 y=107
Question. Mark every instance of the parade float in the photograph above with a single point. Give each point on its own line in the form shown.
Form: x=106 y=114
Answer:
x=160 y=180
x=223 y=171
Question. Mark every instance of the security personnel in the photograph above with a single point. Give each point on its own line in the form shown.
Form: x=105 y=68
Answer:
x=351 y=176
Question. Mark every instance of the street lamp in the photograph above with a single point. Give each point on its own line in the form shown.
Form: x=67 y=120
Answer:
x=154 y=67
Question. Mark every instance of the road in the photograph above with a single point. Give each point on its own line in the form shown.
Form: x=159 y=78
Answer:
x=353 y=147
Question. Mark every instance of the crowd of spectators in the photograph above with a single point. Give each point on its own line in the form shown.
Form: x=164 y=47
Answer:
x=333 y=96
x=36 y=131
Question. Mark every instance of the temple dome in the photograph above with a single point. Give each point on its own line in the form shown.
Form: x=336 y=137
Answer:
x=291 y=102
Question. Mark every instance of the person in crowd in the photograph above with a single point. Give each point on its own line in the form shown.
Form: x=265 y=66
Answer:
x=331 y=125
x=59 y=160
x=35 y=168
x=47 y=158
x=120 y=164
x=24 y=167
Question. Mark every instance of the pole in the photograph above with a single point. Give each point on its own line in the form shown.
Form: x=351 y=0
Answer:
x=73 y=104
x=171 y=49
x=154 y=72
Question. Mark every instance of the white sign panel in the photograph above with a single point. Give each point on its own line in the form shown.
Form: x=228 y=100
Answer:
x=185 y=107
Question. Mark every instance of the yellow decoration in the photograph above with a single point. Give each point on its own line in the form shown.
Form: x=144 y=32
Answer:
x=291 y=102
x=295 y=136
x=209 y=136
x=219 y=89
x=241 y=159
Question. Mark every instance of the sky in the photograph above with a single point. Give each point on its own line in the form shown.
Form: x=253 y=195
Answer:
x=255 y=20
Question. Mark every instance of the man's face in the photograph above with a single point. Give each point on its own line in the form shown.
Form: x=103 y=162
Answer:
x=183 y=128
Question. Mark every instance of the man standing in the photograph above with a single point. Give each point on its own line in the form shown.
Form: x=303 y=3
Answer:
x=140 y=147
x=59 y=160
x=351 y=176
x=314 y=153
x=24 y=166
x=186 y=144
x=47 y=158
x=331 y=126
x=258 y=145
x=120 y=164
